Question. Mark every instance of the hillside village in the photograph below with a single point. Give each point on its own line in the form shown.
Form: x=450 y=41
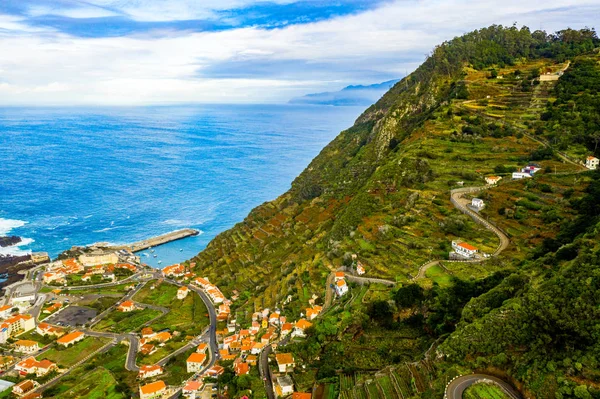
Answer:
x=39 y=328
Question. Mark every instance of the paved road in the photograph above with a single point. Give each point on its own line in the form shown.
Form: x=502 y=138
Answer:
x=456 y=387
x=328 y=291
x=265 y=371
x=358 y=279
x=460 y=204
x=212 y=330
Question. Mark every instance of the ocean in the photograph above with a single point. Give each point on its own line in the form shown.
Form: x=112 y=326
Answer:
x=76 y=176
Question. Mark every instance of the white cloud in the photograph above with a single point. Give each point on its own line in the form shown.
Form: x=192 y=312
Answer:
x=76 y=11
x=54 y=68
x=164 y=10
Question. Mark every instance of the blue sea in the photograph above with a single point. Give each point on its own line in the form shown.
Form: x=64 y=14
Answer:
x=76 y=176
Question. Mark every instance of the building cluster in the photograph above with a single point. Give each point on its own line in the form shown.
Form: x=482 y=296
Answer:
x=211 y=290
x=93 y=264
x=151 y=339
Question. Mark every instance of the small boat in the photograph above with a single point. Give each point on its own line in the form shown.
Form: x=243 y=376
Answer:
x=155 y=256
x=159 y=262
x=180 y=249
x=151 y=250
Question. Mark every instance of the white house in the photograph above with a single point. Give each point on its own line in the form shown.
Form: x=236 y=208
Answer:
x=520 y=175
x=464 y=249
x=341 y=287
x=592 y=163
x=182 y=292
x=195 y=361
x=477 y=203
x=149 y=371
x=284 y=386
x=285 y=361
x=360 y=269
x=491 y=180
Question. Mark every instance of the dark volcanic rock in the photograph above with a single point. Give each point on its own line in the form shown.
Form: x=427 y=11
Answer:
x=7 y=241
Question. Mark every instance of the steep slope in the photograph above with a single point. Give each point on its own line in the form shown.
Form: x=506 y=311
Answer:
x=380 y=188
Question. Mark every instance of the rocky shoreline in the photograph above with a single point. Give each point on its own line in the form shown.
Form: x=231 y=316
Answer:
x=10 y=266
x=8 y=241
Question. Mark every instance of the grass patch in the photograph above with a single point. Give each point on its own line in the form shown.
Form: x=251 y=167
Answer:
x=110 y=290
x=188 y=316
x=163 y=351
x=98 y=384
x=126 y=321
x=484 y=391
x=438 y=275
x=66 y=357
x=163 y=294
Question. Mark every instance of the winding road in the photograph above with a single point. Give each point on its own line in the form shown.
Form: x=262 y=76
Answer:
x=456 y=387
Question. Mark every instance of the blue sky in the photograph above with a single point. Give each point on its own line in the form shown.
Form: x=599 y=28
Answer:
x=234 y=51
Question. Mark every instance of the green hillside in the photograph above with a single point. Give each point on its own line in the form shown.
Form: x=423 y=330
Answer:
x=487 y=103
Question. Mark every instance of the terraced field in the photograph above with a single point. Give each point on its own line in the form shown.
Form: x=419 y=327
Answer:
x=396 y=382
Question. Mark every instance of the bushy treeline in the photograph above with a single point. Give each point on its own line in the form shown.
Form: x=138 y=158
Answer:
x=574 y=118
x=502 y=46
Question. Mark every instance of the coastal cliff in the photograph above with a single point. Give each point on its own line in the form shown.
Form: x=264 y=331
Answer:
x=379 y=192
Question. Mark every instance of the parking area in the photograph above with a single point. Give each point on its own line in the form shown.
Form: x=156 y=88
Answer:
x=73 y=316
x=24 y=289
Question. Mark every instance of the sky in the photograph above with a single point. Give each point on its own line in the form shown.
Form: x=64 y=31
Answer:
x=139 y=52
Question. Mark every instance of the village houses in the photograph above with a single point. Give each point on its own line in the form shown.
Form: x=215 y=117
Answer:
x=32 y=366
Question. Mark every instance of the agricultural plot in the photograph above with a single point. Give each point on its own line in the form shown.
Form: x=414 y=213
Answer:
x=162 y=351
x=119 y=322
x=66 y=357
x=97 y=384
x=484 y=391
x=386 y=386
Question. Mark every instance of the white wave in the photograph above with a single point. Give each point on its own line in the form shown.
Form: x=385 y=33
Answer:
x=175 y=222
x=6 y=225
x=104 y=230
x=16 y=249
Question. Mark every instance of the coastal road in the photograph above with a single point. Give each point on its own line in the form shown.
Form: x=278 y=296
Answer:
x=212 y=329
x=457 y=386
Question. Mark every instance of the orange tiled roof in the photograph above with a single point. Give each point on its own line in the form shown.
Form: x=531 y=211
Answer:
x=467 y=246
x=153 y=387
x=70 y=337
x=303 y=324
x=284 y=358
x=196 y=358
